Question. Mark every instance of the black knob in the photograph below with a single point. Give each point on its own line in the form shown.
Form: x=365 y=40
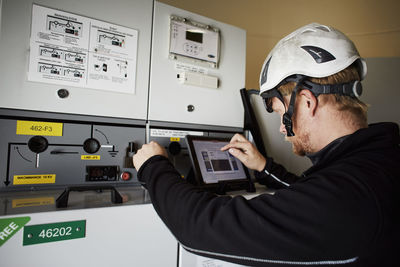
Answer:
x=91 y=145
x=174 y=148
x=38 y=144
x=63 y=93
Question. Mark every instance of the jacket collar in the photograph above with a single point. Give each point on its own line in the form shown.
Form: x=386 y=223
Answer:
x=376 y=136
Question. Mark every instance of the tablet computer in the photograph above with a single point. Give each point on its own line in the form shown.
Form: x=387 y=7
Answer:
x=214 y=168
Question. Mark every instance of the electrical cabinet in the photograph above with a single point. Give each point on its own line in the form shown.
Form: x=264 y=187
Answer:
x=126 y=235
x=185 y=86
x=86 y=83
x=78 y=57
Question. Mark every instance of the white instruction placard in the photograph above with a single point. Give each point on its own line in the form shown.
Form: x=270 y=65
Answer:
x=173 y=133
x=69 y=49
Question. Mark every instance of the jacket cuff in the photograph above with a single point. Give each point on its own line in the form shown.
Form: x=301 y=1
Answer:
x=262 y=176
x=140 y=175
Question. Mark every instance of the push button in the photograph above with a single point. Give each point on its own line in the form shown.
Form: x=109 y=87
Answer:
x=125 y=176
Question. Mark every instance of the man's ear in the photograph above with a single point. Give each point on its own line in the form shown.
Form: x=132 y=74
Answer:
x=310 y=101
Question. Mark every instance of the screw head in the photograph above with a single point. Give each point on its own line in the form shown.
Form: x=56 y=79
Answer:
x=63 y=93
x=190 y=108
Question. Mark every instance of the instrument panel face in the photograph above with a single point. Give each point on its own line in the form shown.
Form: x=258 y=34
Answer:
x=58 y=154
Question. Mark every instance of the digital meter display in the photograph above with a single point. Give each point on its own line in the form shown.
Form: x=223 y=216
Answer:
x=194 y=36
x=194 y=42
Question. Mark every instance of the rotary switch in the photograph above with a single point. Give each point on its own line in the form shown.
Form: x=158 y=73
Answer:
x=37 y=144
x=91 y=145
x=174 y=148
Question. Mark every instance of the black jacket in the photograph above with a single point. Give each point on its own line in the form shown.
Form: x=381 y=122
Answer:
x=343 y=210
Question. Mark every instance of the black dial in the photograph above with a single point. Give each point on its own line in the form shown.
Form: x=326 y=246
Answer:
x=91 y=145
x=174 y=148
x=38 y=144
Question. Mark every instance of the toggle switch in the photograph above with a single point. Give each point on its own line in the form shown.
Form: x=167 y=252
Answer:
x=130 y=151
x=37 y=144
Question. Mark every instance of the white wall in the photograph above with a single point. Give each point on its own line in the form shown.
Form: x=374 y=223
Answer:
x=382 y=89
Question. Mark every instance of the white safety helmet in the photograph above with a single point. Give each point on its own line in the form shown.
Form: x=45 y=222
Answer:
x=314 y=50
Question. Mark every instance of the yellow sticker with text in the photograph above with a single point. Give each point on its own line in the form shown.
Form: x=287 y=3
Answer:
x=34 y=179
x=175 y=139
x=90 y=157
x=30 y=202
x=39 y=128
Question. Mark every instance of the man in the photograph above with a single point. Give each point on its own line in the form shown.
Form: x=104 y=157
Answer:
x=341 y=211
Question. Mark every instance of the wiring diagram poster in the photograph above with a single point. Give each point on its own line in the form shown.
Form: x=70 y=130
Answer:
x=68 y=49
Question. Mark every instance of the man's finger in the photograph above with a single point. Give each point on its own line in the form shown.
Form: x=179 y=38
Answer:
x=237 y=145
x=238 y=138
x=237 y=153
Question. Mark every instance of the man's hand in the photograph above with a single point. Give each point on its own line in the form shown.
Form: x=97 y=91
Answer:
x=246 y=152
x=146 y=152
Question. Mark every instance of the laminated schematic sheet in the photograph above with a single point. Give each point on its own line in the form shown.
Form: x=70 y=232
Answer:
x=69 y=49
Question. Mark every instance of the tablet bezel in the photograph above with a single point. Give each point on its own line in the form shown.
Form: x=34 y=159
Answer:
x=235 y=184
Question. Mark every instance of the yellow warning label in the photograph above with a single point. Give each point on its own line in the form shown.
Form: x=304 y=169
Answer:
x=34 y=179
x=90 y=157
x=175 y=139
x=39 y=128
x=30 y=202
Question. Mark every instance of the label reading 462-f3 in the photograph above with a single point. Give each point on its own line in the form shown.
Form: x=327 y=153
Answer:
x=39 y=128
x=43 y=233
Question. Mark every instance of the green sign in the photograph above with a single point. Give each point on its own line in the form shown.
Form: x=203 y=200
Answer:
x=9 y=226
x=43 y=233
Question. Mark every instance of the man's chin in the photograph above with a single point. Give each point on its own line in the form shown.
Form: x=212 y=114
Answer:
x=296 y=148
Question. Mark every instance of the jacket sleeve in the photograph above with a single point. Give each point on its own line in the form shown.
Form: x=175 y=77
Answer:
x=293 y=226
x=275 y=176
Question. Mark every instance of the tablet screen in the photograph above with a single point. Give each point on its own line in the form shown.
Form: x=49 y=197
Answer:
x=212 y=164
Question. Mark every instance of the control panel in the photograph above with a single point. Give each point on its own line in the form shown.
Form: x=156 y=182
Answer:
x=41 y=154
x=173 y=140
x=194 y=40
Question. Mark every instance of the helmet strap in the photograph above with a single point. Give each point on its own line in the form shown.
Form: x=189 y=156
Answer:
x=352 y=89
x=287 y=117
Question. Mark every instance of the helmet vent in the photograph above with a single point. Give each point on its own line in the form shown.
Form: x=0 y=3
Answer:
x=323 y=28
x=320 y=55
x=265 y=72
x=307 y=31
